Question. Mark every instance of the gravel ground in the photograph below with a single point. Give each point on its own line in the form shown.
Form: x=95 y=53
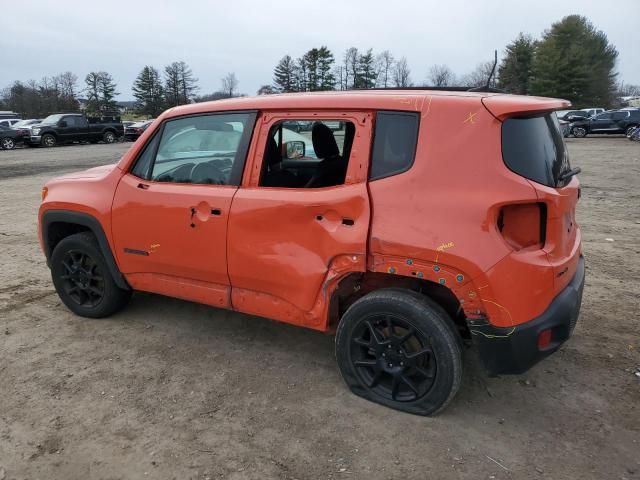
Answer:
x=169 y=389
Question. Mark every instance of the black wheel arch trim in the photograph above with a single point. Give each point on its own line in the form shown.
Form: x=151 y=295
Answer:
x=67 y=216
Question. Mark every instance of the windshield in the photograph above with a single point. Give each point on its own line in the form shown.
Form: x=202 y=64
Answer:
x=52 y=119
x=534 y=148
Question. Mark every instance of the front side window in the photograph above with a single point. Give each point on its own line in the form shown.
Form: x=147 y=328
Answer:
x=620 y=115
x=394 y=144
x=205 y=149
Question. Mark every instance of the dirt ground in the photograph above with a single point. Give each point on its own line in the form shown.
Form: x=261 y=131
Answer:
x=174 y=390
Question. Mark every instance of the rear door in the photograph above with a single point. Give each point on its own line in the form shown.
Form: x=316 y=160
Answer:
x=284 y=241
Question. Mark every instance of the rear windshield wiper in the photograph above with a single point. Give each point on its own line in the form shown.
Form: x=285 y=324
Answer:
x=569 y=173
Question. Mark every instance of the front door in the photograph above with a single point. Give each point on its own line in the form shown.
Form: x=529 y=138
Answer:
x=289 y=227
x=170 y=212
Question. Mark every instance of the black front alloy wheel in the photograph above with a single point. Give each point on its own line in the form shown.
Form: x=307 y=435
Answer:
x=83 y=281
x=82 y=277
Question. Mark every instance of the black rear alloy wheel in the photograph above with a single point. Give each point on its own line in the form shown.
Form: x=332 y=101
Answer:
x=393 y=358
x=82 y=278
x=398 y=348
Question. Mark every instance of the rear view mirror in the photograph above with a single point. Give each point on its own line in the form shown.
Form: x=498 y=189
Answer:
x=295 y=149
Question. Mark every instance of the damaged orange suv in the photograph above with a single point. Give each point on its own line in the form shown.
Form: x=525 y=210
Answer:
x=407 y=222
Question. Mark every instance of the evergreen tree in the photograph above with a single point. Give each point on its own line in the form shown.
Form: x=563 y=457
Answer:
x=575 y=61
x=284 y=75
x=326 y=79
x=92 y=90
x=366 y=73
x=514 y=72
x=101 y=92
x=107 y=88
x=179 y=84
x=148 y=91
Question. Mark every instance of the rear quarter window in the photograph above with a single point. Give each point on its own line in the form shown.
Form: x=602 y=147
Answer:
x=394 y=144
x=533 y=147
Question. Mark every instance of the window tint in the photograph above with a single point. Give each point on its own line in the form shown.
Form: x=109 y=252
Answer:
x=603 y=116
x=207 y=149
x=394 y=144
x=534 y=148
x=619 y=115
x=307 y=153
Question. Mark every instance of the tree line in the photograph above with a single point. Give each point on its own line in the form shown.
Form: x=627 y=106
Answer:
x=572 y=60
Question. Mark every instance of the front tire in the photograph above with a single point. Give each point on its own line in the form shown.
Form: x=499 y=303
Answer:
x=8 y=144
x=109 y=137
x=398 y=348
x=82 y=278
x=579 y=132
x=48 y=140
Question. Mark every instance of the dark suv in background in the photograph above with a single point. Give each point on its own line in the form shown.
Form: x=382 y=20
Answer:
x=612 y=122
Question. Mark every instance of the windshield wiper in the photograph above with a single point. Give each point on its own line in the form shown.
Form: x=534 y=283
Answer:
x=569 y=173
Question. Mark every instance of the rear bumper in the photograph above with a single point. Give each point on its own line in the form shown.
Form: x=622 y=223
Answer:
x=515 y=350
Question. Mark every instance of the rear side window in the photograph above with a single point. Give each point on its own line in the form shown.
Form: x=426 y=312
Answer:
x=534 y=148
x=394 y=144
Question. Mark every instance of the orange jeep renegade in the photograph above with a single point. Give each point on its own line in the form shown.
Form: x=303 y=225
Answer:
x=406 y=221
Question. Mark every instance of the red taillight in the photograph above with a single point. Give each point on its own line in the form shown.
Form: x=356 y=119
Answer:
x=544 y=339
x=523 y=225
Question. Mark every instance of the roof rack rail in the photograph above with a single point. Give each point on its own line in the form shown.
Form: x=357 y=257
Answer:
x=482 y=88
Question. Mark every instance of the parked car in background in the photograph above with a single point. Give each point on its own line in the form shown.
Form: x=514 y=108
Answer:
x=612 y=122
x=9 y=122
x=567 y=114
x=9 y=138
x=74 y=127
x=135 y=129
x=593 y=111
x=27 y=123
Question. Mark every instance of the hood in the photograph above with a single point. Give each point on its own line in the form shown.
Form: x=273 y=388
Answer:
x=95 y=172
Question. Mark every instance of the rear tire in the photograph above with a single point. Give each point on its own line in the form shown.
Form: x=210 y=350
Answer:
x=8 y=144
x=630 y=130
x=82 y=278
x=400 y=349
x=48 y=140
x=579 y=132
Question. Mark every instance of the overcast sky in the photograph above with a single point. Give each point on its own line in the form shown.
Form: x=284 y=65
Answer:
x=249 y=37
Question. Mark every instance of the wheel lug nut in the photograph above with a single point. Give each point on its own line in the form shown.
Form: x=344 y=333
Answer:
x=402 y=364
x=391 y=364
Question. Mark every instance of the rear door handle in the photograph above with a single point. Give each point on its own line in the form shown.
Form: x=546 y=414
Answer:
x=143 y=186
x=348 y=222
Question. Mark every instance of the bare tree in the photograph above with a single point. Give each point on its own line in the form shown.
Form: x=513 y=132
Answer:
x=479 y=76
x=401 y=74
x=230 y=84
x=350 y=67
x=440 y=76
x=385 y=66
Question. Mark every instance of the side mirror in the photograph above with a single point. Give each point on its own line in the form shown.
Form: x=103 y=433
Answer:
x=295 y=149
x=62 y=123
